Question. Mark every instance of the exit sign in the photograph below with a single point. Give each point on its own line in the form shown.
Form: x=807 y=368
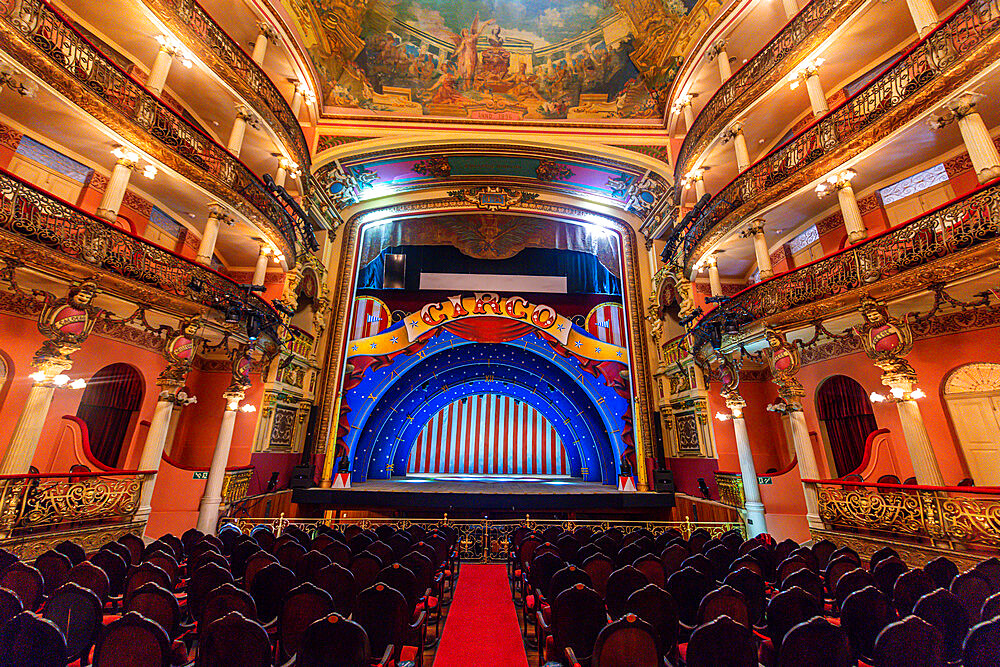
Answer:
x=200 y=474
x=763 y=480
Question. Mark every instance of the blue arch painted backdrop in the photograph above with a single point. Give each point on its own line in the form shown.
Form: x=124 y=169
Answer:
x=389 y=407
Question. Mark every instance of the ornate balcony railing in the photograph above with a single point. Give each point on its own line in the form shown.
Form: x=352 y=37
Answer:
x=40 y=502
x=81 y=72
x=31 y=214
x=968 y=223
x=957 y=49
x=202 y=34
x=730 y=489
x=235 y=484
x=486 y=540
x=776 y=60
x=299 y=342
x=963 y=518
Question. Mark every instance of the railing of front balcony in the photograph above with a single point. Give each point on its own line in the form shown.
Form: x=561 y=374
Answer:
x=777 y=55
x=30 y=213
x=936 y=54
x=29 y=503
x=965 y=223
x=54 y=36
x=250 y=79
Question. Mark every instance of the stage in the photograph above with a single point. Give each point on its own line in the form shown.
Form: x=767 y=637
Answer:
x=460 y=494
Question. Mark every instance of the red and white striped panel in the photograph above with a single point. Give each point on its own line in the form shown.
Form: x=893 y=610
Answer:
x=607 y=322
x=371 y=317
x=489 y=434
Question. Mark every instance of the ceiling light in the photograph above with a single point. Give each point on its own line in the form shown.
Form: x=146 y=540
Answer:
x=60 y=379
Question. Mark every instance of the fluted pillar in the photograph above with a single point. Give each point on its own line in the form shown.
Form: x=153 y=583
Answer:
x=265 y=35
x=175 y=420
x=156 y=439
x=924 y=15
x=856 y=230
x=243 y=116
x=809 y=73
x=23 y=443
x=755 y=231
x=740 y=145
x=208 y=510
x=683 y=104
x=206 y=250
x=260 y=270
x=790 y=7
x=157 y=78
x=756 y=523
x=925 y=465
x=978 y=142
x=714 y=279
x=806 y=461
x=114 y=192
x=718 y=51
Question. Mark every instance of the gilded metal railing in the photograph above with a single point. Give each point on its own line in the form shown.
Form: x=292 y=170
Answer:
x=29 y=503
x=235 y=485
x=237 y=68
x=968 y=222
x=772 y=63
x=486 y=540
x=937 y=54
x=730 y=489
x=962 y=517
x=299 y=342
x=54 y=37
x=32 y=214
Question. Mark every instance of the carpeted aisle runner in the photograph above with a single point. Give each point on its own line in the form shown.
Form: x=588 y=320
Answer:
x=482 y=627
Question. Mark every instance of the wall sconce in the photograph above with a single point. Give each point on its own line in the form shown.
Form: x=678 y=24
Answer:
x=897 y=395
x=723 y=416
x=835 y=182
x=60 y=380
x=804 y=71
x=248 y=407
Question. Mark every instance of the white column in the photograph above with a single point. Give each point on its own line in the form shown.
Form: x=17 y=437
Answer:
x=982 y=151
x=740 y=145
x=175 y=420
x=296 y=101
x=21 y=450
x=856 y=230
x=699 y=185
x=260 y=270
x=281 y=174
x=806 y=461
x=924 y=15
x=714 y=279
x=207 y=248
x=152 y=450
x=718 y=51
x=817 y=98
x=756 y=523
x=243 y=116
x=756 y=232
x=114 y=193
x=925 y=465
x=791 y=8
x=208 y=511
x=265 y=35
x=161 y=67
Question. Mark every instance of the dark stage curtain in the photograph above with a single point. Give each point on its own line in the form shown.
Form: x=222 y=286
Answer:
x=584 y=273
x=107 y=404
x=846 y=410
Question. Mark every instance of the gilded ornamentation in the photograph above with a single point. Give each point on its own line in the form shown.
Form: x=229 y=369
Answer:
x=784 y=360
x=550 y=170
x=977 y=377
x=66 y=323
x=493 y=198
x=433 y=167
x=179 y=350
x=730 y=489
x=885 y=339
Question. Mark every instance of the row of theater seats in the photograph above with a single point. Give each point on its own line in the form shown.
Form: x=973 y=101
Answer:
x=637 y=599
x=353 y=597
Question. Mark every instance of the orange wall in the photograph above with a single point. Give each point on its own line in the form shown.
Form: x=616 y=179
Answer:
x=767 y=435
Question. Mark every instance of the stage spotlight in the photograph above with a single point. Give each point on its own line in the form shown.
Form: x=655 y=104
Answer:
x=253 y=326
x=234 y=311
x=703 y=487
x=283 y=307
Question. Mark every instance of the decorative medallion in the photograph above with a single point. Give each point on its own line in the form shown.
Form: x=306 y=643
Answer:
x=493 y=198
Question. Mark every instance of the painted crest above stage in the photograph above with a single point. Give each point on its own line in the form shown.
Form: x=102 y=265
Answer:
x=494 y=60
x=401 y=375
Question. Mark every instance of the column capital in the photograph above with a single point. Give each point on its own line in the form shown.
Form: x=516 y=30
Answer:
x=246 y=114
x=718 y=48
x=808 y=69
x=218 y=212
x=683 y=101
x=735 y=403
x=840 y=180
x=267 y=30
x=753 y=228
x=233 y=398
x=731 y=132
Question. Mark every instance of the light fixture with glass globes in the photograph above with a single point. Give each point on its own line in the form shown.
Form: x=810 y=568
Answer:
x=60 y=380
x=897 y=395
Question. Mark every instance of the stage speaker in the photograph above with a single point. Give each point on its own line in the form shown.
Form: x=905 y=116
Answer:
x=394 y=271
x=663 y=481
x=302 y=477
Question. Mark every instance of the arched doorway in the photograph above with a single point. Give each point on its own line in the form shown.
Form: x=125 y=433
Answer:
x=846 y=412
x=109 y=406
x=972 y=394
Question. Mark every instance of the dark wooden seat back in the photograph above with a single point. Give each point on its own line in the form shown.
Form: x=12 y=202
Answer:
x=627 y=642
x=567 y=577
x=234 y=640
x=303 y=605
x=269 y=588
x=54 y=567
x=132 y=640
x=621 y=584
x=786 y=610
x=78 y=614
x=599 y=567
x=751 y=585
x=982 y=645
x=656 y=606
x=910 y=642
x=381 y=611
x=28 y=639
x=724 y=601
x=945 y=612
x=688 y=586
x=158 y=604
x=343 y=588
x=864 y=615
x=815 y=643
x=722 y=642
x=224 y=599
x=910 y=587
x=333 y=642
x=578 y=615
x=972 y=591
x=27 y=582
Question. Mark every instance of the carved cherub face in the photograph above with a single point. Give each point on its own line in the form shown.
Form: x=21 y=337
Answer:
x=82 y=296
x=773 y=339
x=873 y=315
x=189 y=328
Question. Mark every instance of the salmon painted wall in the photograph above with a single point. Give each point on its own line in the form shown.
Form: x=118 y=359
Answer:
x=767 y=435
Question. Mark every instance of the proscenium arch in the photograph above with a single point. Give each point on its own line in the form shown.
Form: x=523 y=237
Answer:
x=391 y=422
x=408 y=439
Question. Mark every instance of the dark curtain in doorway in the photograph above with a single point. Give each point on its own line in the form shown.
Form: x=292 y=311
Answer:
x=112 y=395
x=846 y=411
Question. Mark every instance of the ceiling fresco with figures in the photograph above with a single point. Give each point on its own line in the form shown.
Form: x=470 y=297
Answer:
x=488 y=60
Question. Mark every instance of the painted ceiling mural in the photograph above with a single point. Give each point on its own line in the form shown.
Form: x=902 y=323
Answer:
x=508 y=60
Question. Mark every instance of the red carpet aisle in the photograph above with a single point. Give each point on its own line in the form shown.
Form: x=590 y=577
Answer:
x=481 y=628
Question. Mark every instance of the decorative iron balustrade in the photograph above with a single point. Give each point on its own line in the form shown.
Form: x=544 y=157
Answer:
x=771 y=64
x=730 y=489
x=235 y=485
x=962 y=517
x=54 y=37
x=299 y=342
x=239 y=70
x=32 y=214
x=963 y=224
x=937 y=54
x=41 y=501
x=486 y=540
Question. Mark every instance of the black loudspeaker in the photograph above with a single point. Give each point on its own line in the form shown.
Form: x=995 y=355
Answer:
x=302 y=477
x=394 y=271
x=663 y=481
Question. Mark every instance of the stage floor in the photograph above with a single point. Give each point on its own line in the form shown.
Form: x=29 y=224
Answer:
x=479 y=492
